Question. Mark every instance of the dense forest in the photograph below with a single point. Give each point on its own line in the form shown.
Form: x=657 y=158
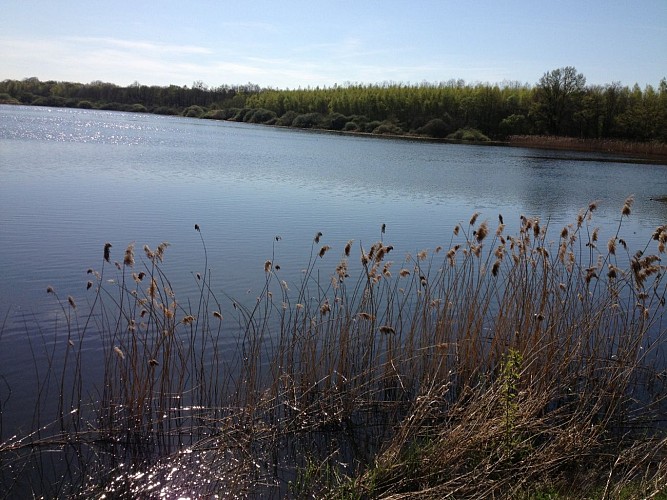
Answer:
x=559 y=104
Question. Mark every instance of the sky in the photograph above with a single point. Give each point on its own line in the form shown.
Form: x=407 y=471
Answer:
x=292 y=44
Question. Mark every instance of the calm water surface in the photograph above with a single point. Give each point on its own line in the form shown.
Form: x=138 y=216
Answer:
x=71 y=180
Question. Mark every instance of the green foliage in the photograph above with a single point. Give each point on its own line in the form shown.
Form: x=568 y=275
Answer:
x=5 y=98
x=371 y=126
x=241 y=114
x=113 y=106
x=334 y=121
x=193 y=111
x=308 y=120
x=437 y=128
x=53 y=101
x=510 y=375
x=468 y=134
x=388 y=128
x=321 y=480
x=351 y=127
x=513 y=125
x=560 y=104
x=262 y=116
x=165 y=110
x=287 y=119
x=557 y=95
x=138 y=108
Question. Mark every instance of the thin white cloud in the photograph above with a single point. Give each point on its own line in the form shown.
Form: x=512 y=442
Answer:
x=141 y=45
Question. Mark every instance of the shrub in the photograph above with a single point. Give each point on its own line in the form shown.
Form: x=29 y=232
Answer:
x=437 y=128
x=388 y=128
x=113 y=106
x=468 y=134
x=223 y=114
x=165 y=110
x=262 y=115
x=359 y=119
x=5 y=98
x=370 y=126
x=138 y=108
x=334 y=121
x=215 y=114
x=351 y=127
x=513 y=125
x=53 y=101
x=308 y=120
x=240 y=115
x=85 y=105
x=193 y=111
x=287 y=119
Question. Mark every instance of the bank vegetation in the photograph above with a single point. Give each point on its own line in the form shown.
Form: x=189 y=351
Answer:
x=494 y=365
x=560 y=104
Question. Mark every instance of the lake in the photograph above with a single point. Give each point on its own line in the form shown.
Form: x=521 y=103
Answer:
x=72 y=180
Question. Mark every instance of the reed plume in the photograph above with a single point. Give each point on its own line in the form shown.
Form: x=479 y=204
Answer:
x=107 y=251
x=128 y=260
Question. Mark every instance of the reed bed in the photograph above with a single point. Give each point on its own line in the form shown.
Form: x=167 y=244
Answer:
x=496 y=366
x=651 y=149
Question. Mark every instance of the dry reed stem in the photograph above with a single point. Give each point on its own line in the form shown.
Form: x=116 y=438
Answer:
x=503 y=358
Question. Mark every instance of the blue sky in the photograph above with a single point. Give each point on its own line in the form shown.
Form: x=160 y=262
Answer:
x=292 y=44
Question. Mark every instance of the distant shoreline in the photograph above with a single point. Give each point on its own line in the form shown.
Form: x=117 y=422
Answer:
x=652 y=153
x=619 y=151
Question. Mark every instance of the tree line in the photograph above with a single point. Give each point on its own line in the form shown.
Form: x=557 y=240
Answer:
x=559 y=104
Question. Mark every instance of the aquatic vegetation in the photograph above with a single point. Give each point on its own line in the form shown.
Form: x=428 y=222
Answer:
x=493 y=365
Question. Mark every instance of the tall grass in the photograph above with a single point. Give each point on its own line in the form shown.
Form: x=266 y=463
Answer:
x=499 y=365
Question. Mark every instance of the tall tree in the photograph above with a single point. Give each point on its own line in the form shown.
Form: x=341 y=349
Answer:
x=558 y=93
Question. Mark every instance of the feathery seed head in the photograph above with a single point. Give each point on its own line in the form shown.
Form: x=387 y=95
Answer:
x=159 y=252
x=627 y=206
x=107 y=251
x=128 y=260
x=348 y=247
x=325 y=308
x=611 y=246
x=482 y=231
x=188 y=320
